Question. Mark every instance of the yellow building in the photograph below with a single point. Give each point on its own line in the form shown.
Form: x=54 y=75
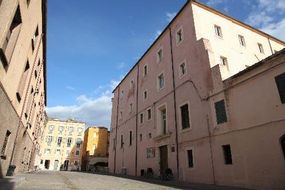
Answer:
x=61 y=146
x=95 y=146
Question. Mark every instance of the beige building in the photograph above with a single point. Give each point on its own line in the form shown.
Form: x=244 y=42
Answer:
x=22 y=82
x=95 y=147
x=62 y=145
x=205 y=102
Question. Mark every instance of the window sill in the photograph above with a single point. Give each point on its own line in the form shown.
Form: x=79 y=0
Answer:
x=186 y=130
x=162 y=136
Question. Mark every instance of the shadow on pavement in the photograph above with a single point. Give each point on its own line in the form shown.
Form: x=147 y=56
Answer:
x=5 y=183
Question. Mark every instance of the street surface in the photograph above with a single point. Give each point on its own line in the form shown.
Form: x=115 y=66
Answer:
x=81 y=181
x=47 y=180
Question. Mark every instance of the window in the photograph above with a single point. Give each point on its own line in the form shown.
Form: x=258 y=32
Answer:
x=145 y=70
x=121 y=115
x=149 y=135
x=218 y=31
x=190 y=158
x=69 y=141
x=282 y=141
x=79 y=131
x=179 y=36
x=94 y=149
x=159 y=55
x=161 y=81
x=21 y=86
x=241 y=40
x=28 y=2
x=50 y=129
x=34 y=39
x=11 y=39
x=141 y=118
x=280 y=82
x=60 y=129
x=150 y=152
x=49 y=139
x=163 y=120
x=260 y=47
x=221 y=114
x=182 y=69
x=140 y=137
x=4 y=147
x=185 y=121
x=77 y=153
x=59 y=141
x=131 y=138
x=145 y=94
x=47 y=151
x=224 y=61
x=57 y=151
x=122 y=141
x=149 y=114
x=227 y=154
x=70 y=131
x=122 y=94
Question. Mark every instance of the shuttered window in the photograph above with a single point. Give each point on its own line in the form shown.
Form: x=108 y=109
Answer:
x=221 y=114
x=280 y=82
x=185 y=116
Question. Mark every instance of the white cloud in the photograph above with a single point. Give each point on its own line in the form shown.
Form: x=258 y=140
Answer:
x=265 y=12
x=92 y=110
x=276 y=29
x=268 y=16
x=70 y=88
x=157 y=33
x=121 y=65
x=170 y=16
x=214 y=2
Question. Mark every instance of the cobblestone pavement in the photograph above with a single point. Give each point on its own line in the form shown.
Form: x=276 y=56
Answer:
x=45 y=180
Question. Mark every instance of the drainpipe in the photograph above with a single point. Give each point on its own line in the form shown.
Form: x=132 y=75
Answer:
x=174 y=94
x=116 y=130
x=136 y=157
x=270 y=45
x=211 y=151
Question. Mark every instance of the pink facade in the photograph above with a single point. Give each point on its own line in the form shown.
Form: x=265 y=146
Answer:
x=165 y=110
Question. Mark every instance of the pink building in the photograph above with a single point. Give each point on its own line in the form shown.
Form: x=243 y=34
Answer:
x=206 y=101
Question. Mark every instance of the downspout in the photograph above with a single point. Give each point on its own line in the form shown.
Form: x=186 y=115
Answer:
x=174 y=94
x=211 y=151
x=116 y=130
x=270 y=45
x=136 y=157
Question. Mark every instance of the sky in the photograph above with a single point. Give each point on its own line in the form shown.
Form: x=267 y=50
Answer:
x=92 y=44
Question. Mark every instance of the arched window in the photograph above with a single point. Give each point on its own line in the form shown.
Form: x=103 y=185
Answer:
x=282 y=141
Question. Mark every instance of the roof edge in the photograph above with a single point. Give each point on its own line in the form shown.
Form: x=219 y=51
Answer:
x=209 y=9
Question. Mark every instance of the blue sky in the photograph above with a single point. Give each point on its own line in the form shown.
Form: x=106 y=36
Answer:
x=93 y=43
